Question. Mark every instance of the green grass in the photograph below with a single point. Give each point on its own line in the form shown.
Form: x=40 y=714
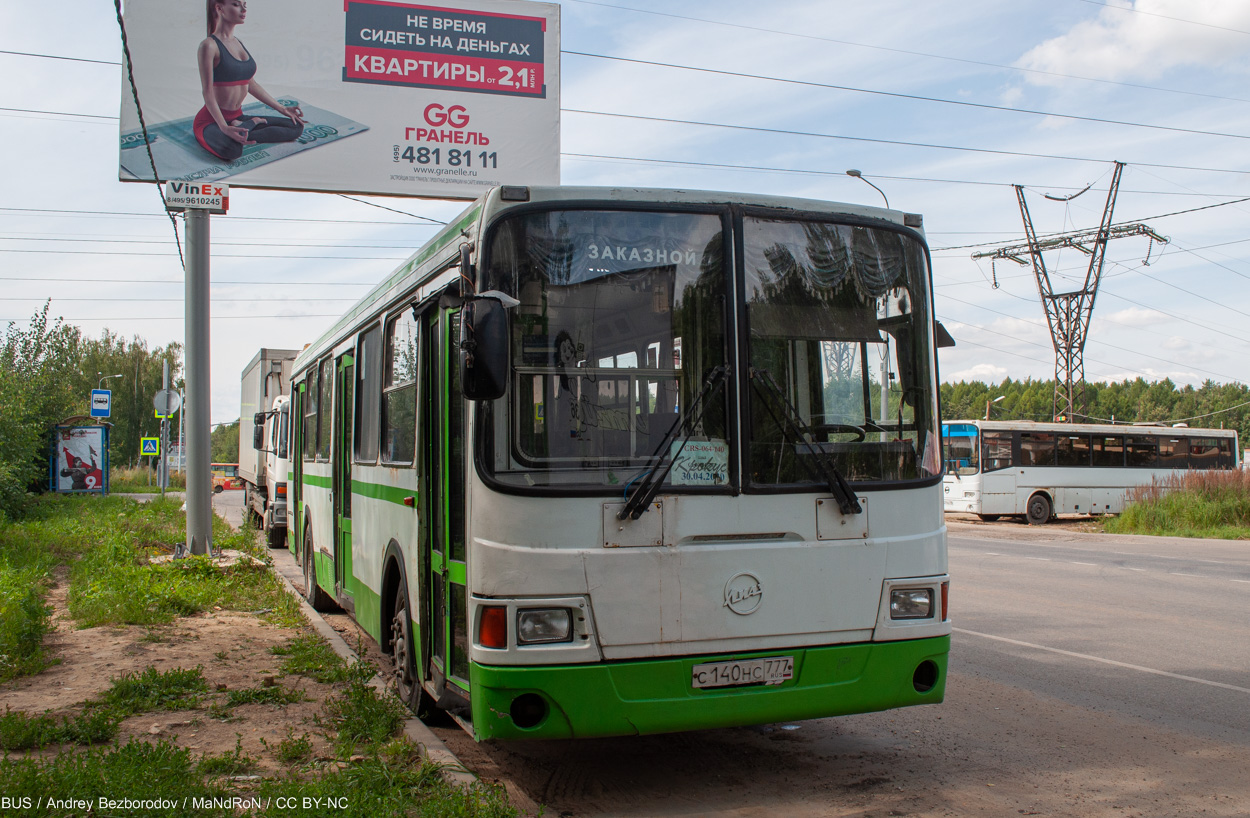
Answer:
x=1206 y=504
x=361 y=717
x=275 y=695
x=19 y=731
x=138 y=480
x=176 y=689
x=231 y=762
x=292 y=750
x=312 y=656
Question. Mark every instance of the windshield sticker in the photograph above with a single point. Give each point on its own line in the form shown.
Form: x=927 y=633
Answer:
x=700 y=463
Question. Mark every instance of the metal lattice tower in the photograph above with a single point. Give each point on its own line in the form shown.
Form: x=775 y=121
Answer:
x=1068 y=314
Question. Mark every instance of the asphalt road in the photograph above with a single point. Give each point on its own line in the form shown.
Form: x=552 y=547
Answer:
x=1090 y=675
x=1149 y=628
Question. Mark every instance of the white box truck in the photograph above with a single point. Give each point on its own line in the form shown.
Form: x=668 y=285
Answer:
x=264 y=440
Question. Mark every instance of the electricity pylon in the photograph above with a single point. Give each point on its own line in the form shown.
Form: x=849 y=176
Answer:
x=1068 y=314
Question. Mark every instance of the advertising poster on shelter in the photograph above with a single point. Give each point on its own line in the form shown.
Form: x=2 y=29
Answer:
x=78 y=459
x=349 y=96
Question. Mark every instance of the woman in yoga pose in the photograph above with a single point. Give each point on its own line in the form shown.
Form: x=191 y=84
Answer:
x=227 y=76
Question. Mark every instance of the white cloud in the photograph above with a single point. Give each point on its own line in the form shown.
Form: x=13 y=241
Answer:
x=987 y=373
x=1136 y=317
x=1142 y=40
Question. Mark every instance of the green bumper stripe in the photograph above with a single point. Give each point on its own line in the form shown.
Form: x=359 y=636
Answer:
x=656 y=696
x=377 y=491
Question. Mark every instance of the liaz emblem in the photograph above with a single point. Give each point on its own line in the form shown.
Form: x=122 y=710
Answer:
x=744 y=593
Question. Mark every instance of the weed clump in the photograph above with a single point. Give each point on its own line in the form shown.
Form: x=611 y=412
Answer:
x=1212 y=504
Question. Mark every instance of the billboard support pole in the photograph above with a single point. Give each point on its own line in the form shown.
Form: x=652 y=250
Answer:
x=164 y=470
x=199 y=450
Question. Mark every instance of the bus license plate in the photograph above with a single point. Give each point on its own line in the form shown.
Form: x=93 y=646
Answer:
x=770 y=671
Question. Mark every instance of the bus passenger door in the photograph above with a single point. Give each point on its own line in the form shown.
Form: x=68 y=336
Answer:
x=443 y=481
x=341 y=455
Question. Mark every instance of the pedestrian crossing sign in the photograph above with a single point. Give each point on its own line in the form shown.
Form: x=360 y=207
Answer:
x=149 y=447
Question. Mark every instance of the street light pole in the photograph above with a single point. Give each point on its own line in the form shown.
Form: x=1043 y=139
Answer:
x=104 y=378
x=990 y=403
x=860 y=176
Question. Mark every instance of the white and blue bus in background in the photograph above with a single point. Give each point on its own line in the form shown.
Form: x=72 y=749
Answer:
x=996 y=468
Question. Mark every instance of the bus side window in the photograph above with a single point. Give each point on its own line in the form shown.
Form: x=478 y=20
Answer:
x=995 y=450
x=399 y=390
x=1073 y=450
x=327 y=412
x=1037 y=449
x=368 y=394
x=1109 y=452
x=310 y=416
x=1140 y=453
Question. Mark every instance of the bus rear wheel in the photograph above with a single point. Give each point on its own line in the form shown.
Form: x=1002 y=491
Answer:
x=403 y=662
x=317 y=598
x=1039 y=510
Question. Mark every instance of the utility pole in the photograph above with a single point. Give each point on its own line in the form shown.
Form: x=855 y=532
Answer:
x=1068 y=313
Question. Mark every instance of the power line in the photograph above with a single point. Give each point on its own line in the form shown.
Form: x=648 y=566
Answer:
x=865 y=139
x=179 y=282
x=913 y=97
x=55 y=57
x=1145 y=218
x=897 y=142
x=232 y=217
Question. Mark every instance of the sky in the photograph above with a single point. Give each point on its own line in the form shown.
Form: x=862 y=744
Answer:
x=942 y=105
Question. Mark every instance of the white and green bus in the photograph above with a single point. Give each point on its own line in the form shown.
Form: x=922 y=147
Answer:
x=601 y=462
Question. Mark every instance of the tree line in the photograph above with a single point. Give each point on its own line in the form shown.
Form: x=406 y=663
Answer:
x=1211 y=405
x=47 y=372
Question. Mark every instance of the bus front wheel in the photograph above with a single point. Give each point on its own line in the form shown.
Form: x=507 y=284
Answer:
x=989 y=518
x=1039 y=510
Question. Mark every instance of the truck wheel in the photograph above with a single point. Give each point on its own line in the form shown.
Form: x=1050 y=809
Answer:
x=1038 y=510
x=317 y=598
x=276 y=537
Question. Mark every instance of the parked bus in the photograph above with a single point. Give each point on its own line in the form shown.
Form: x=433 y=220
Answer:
x=1039 y=470
x=602 y=462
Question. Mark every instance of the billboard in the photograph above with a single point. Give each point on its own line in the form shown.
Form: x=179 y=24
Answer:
x=344 y=96
x=79 y=459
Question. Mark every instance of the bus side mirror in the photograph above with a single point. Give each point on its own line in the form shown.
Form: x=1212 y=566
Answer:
x=485 y=353
x=258 y=436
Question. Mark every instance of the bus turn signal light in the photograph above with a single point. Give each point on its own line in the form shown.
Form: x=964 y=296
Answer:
x=946 y=587
x=492 y=627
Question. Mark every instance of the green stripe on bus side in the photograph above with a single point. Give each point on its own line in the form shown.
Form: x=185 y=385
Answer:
x=381 y=491
x=317 y=480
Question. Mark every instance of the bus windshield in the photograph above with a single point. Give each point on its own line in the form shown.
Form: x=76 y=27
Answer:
x=621 y=353
x=622 y=316
x=833 y=312
x=960 y=451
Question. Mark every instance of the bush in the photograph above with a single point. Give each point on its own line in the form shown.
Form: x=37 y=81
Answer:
x=1189 y=504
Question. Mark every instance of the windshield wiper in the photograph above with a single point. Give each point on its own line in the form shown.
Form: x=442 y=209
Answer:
x=797 y=431
x=640 y=500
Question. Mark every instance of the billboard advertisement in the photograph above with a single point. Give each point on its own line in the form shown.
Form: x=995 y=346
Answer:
x=79 y=458
x=344 y=96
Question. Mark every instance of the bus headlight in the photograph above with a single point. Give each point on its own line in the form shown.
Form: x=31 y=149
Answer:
x=536 y=626
x=911 y=603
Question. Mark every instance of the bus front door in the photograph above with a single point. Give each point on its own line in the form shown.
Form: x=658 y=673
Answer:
x=344 y=406
x=443 y=482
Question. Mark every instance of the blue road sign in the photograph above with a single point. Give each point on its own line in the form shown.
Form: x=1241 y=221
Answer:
x=150 y=446
x=101 y=402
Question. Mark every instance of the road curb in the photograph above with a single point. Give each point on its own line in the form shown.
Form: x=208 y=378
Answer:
x=453 y=770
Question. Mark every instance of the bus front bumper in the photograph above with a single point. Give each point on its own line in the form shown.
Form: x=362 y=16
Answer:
x=657 y=695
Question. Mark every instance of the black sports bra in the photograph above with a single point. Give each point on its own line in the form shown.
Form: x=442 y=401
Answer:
x=229 y=69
